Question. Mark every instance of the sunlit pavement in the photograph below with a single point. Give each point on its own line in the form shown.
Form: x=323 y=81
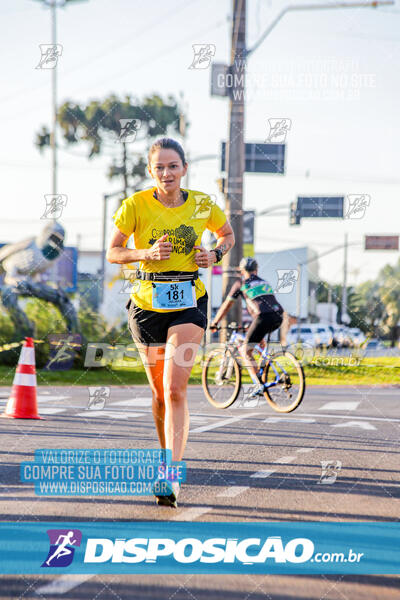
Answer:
x=244 y=464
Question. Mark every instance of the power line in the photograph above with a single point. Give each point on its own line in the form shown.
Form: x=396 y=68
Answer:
x=126 y=41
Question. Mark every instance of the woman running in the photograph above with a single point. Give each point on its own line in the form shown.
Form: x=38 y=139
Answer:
x=168 y=306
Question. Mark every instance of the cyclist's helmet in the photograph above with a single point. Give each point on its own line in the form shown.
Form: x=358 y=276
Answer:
x=248 y=264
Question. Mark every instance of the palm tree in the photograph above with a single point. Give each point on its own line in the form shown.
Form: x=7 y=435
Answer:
x=120 y=126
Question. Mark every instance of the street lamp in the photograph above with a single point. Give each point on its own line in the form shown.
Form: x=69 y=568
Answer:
x=323 y=6
x=235 y=145
x=53 y=5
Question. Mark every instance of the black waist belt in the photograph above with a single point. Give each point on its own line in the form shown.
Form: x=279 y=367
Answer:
x=167 y=276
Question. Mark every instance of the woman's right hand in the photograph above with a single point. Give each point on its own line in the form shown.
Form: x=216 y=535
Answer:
x=161 y=249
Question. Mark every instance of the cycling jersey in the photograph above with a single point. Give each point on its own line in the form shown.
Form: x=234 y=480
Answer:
x=148 y=219
x=258 y=295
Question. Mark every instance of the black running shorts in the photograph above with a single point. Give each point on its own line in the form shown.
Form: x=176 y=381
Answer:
x=263 y=324
x=151 y=327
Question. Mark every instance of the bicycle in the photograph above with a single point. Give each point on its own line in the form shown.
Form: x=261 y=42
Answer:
x=281 y=373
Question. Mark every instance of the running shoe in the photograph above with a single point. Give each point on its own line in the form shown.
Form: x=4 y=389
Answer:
x=166 y=492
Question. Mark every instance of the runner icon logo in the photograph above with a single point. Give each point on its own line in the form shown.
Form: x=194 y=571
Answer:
x=330 y=471
x=61 y=551
x=286 y=280
x=98 y=397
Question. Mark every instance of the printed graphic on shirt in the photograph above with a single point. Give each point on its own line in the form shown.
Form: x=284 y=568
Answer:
x=182 y=238
x=254 y=291
x=148 y=220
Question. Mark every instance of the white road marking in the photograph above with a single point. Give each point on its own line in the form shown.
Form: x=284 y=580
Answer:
x=222 y=423
x=360 y=424
x=339 y=406
x=288 y=420
x=134 y=402
x=284 y=460
x=233 y=491
x=48 y=410
x=262 y=474
x=108 y=414
x=304 y=450
x=48 y=398
x=388 y=419
x=63 y=584
x=190 y=514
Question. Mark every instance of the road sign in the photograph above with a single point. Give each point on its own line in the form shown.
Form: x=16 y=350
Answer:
x=381 y=242
x=320 y=206
x=218 y=79
x=261 y=158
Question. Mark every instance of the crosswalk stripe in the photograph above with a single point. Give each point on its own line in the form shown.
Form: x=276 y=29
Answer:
x=339 y=406
x=108 y=414
x=49 y=410
x=232 y=491
x=63 y=584
x=284 y=460
x=262 y=474
x=190 y=514
x=222 y=423
x=134 y=402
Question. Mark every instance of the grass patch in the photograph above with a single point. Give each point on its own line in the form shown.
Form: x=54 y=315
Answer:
x=322 y=371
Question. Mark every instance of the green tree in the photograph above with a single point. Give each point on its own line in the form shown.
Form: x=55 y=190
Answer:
x=98 y=125
x=367 y=308
x=389 y=281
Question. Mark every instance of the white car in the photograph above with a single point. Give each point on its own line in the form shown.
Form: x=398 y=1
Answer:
x=342 y=337
x=325 y=334
x=357 y=336
x=305 y=334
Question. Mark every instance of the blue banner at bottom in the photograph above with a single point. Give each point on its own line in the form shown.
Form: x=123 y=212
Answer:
x=200 y=548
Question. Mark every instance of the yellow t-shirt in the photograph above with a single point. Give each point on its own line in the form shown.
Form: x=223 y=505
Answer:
x=147 y=219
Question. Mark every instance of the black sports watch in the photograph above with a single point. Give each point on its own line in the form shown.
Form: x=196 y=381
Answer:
x=218 y=254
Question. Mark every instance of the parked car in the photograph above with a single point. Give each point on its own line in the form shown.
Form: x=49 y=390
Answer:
x=342 y=337
x=304 y=334
x=357 y=337
x=323 y=335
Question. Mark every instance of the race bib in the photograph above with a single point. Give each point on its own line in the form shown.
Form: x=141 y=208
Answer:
x=170 y=296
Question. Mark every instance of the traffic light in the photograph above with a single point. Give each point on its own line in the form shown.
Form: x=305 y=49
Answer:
x=294 y=214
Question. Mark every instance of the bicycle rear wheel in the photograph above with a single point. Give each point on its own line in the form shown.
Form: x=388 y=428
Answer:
x=287 y=394
x=221 y=378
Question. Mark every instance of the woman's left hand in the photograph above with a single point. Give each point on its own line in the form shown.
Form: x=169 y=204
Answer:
x=203 y=257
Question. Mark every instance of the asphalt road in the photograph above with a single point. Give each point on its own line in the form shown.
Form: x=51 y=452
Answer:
x=244 y=464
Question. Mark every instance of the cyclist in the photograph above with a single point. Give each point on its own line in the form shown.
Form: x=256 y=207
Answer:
x=168 y=303
x=263 y=308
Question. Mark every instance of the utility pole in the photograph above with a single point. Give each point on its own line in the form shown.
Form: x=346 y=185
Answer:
x=235 y=146
x=344 y=318
x=235 y=155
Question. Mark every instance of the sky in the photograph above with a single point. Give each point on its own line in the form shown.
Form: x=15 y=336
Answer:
x=333 y=73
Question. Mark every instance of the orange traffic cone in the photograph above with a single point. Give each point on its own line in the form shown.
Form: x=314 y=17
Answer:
x=22 y=403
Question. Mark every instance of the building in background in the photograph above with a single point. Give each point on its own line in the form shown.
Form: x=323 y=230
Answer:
x=282 y=270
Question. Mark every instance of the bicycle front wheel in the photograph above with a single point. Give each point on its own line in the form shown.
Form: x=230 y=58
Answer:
x=284 y=369
x=221 y=378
